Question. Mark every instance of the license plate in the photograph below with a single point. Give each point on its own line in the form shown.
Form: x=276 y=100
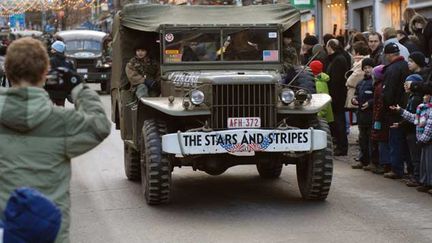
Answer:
x=82 y=70
x=244 y=122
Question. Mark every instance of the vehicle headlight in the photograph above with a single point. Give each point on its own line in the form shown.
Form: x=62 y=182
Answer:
x=196 y=97
x=301 y=96
x=287 y=96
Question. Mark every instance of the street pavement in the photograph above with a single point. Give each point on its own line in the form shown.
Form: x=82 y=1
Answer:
x=239 y=206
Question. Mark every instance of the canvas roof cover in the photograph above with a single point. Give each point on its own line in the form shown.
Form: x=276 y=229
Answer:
x=150 y=17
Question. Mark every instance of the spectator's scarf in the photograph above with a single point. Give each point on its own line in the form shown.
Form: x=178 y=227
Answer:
x=422 y=116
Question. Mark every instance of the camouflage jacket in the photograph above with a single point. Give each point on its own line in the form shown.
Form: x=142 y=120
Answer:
x=138 y=70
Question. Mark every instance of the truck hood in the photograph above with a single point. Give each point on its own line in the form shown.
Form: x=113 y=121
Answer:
x=194 y=78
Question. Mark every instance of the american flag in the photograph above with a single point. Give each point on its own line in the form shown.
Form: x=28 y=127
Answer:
x=270 y=55
x=231 y=148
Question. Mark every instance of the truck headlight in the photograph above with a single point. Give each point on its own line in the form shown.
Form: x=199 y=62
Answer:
x=287 y=96
x=196 y=97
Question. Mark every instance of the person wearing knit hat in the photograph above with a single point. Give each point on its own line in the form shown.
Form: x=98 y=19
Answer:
x=416 y=61
x=363 y=100
x=379 y=133
x=321 y=80
x=308 y=43
x=414 y=99
x=316 y=67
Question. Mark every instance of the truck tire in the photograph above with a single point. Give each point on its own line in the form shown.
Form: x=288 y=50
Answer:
x=269 y=169
x=315 y=171
x=155 y=166
x=132 y=163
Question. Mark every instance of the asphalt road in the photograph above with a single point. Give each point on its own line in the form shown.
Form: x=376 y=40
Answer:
x=238 y=206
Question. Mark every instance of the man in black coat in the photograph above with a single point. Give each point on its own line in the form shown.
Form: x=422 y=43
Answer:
x=336 y=69
x=395 y=74
x=58 y=59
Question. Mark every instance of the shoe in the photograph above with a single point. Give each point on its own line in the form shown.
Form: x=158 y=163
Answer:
x=387 y=168
x=392 y=175
x=378 y=170
x=423 y=188
x=430 y=191
x=339 y=153
x=357 y=165
x=356 y=159
x=369 y=167
x=412 y=183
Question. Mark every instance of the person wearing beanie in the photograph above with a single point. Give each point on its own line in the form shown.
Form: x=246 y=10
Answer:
x=396 y=72
x=308 y=43
x=414 y=99
x=321 y=80
x=57 y=60
x=380 y=125
x=30 y=217
x=363 y=99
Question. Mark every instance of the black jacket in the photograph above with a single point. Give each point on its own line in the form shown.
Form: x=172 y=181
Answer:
x=305 y=80
x=59 y=60
x=409 y=44
x=363 y=94
x=395 y=74
x=377 y=55
x=336 y=69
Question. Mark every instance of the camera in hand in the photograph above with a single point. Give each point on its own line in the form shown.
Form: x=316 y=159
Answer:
x=61 y=81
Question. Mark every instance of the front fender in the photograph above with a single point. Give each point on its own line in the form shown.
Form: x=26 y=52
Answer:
x=174 y=108
x=316 y=104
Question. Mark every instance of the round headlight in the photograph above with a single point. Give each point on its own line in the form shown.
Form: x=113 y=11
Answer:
x=197 y=97
x=287 y=96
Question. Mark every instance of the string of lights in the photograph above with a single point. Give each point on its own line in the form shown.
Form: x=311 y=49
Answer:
x=10 y=7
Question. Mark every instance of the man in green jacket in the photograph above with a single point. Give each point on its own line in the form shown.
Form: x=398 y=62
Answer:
x=37 y=139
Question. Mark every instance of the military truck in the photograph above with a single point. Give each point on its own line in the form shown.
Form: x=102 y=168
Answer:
x=85 y=48
x=222 y=102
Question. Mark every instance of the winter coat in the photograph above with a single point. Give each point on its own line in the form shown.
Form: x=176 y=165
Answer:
x=363 y=94
x=403 y=50
x=336 y=69
x=352 y=81
x=414 y=99
x=378 y=116
x=424 y=35
x=395 y=74
x=377 y=55
x=322 y=88
x=305 y=80
x=138 y=70
x=38 y=141
x=410 y=45
x=56 y=61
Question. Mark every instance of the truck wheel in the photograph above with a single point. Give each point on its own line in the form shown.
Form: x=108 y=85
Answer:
x=269 y=169
x=155 y=166
x=132 y=163
x=315 y=171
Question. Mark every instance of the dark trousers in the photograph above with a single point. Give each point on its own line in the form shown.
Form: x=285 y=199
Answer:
x=396 y=145
x=415 y=154
x=365 y=144
x=338 y=128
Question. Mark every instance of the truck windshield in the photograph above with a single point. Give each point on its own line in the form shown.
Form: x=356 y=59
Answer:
x=225 y=45
x=83 y=45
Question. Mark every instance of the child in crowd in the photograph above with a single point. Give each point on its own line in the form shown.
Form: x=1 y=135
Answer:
x=363 y=99
x=321 y=80
x=414 y=100
x=423 y=121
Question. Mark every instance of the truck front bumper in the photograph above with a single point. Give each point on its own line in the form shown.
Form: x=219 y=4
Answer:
x=244 y=142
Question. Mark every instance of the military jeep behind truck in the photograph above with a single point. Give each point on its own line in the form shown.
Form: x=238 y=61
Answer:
x=222 y=102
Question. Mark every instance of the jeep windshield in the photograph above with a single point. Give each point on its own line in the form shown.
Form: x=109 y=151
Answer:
x=73 y=46
x=221 y=45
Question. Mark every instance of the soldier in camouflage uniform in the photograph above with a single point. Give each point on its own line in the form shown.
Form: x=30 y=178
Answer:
x=143 y=74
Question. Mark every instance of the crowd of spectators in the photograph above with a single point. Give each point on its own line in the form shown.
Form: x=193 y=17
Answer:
x=380 y=81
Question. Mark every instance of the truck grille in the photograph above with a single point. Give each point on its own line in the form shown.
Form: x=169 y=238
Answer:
x=85 y=63
x=243 y=100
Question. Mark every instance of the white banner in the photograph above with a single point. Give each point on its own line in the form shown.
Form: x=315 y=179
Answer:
x=244 y=141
